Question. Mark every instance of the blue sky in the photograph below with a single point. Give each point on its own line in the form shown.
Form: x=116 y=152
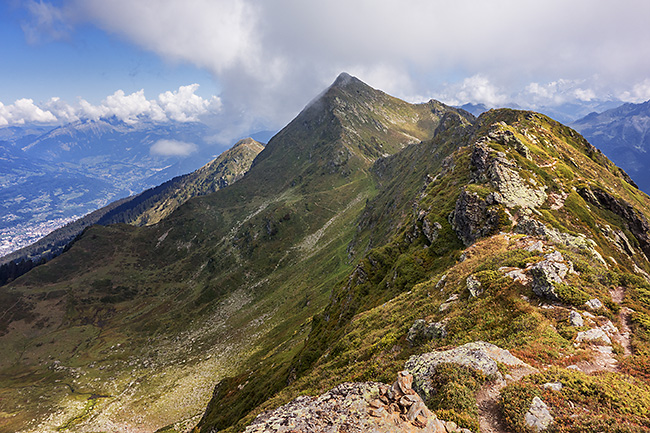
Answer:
x=247 y=64
x=89 y=63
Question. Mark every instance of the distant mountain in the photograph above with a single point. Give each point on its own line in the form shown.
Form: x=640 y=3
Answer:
x=623 y=134
x=475 y=109
x=149 y=206
x=68 y=171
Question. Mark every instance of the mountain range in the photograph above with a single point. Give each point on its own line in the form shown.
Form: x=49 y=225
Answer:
x=622 y=133
x=68 y=171
x=381 y=265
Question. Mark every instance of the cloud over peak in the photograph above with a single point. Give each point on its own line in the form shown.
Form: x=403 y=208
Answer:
x=270 y=58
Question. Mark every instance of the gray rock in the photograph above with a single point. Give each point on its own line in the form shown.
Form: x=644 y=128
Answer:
x=575 y=319
x=445 y=305
x=609 y=328
x=594 y=304
x=354 y=408
x=474 y=286
x=547 y=273
x=474 y=217
x=595 y=336
x=480 y=356
x=430 y=230
x=536 y=246
x=532 y=227
x=538 y=416
x=508 y=138
x=422 y=331
x=441 y=283
x=553 y=386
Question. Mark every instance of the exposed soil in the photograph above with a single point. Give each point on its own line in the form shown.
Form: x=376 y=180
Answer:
x=489 y=413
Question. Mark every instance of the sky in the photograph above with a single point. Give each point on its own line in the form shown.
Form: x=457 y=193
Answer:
x=242 y=65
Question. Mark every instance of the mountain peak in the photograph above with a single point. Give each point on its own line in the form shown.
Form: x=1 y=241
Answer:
x=343 y=80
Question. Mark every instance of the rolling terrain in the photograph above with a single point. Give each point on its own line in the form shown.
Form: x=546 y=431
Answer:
x=369 y=236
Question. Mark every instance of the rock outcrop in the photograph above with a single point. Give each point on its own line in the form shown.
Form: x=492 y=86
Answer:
x=356 y=407
x=636 y=222
x=479 y=355
x=422 y=331
x=474 y=217
x=549 y=272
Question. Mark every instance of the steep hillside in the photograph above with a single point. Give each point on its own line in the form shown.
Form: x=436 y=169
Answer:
x=512 y=230
x=131 y=328
x=623 y=134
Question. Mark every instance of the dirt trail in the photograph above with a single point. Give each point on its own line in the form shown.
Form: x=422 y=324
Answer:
x=618 y=294
x=603 y=356
x=489 y=413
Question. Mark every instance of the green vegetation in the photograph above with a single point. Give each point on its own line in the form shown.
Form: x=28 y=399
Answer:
x=311 y=270
x=609 y=402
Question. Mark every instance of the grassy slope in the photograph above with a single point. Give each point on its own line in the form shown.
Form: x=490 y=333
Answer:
x=132 y=327
x=361 y=334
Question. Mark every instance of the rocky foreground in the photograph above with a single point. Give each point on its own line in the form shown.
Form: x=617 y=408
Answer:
x=377 y=407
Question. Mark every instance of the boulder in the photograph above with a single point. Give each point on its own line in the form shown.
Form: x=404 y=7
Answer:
x=422 y=331
x=575 y=319
x=547 y=273
x=538 y=416
x=355 y=407
x=595 y=336
x=594 y=304
x=474 y=286
x=479 y=355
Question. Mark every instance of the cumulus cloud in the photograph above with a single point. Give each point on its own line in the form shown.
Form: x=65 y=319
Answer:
x=182 y=105
x=172 y=148
x=23 y=111
x=476 y=89
x=640 y=92
x=270 y=58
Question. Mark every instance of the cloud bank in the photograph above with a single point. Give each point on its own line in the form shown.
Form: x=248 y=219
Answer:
x=272 y=57
x=172 y=148
x=182 y=105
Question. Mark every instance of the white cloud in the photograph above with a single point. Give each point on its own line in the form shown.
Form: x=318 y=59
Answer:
x=23 y=111
x=475 y=89
x=182 y=105
x=557 y=92
x=272 y=57
x=46 y=21
x=128 y=107
x=172 y=148
x=640 y=92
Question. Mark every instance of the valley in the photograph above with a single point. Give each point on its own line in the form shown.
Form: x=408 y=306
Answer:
x=492 y=257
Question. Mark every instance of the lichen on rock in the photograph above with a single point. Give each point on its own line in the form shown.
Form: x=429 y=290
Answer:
x=547 y=273
x=479 y=355
x=356 y=407
x=422 y=331
x=538 y=417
